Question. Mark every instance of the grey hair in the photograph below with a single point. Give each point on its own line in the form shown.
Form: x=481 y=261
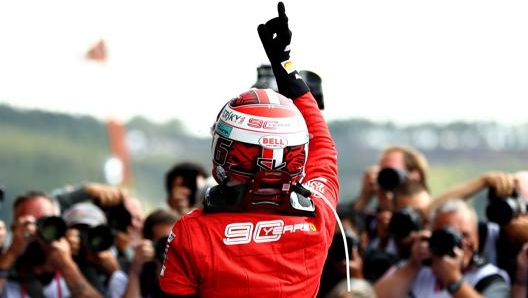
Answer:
x=359 y=288
x=452 y=206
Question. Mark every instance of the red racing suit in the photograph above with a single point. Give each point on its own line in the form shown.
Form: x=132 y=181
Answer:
x=259 y=254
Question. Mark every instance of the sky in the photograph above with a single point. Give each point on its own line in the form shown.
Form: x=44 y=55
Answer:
x=403 y=61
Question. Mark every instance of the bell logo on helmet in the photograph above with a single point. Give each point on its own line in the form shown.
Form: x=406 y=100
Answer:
x=273 y=142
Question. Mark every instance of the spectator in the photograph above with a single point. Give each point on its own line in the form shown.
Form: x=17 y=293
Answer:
x=402 y=163
x=36 y=267
x=127 y=223
x=454 y=270
x=404 y=159
x=261 y=233
x=182 y=184
x=91 y=240
x=503 y=235
x=410 y=203
x=142 y=280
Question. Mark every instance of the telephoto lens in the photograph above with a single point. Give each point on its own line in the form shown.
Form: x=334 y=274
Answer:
x=502 y=210
x=99 y=238
x=443 y=241
x=404 y=222
x=51 y=228
x=389 y=178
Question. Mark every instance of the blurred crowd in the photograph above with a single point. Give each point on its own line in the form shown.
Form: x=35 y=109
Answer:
x=97 y=240
x=94 y=240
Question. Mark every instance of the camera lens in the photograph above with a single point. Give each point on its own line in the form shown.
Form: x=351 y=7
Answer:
x=502 y=210
x=389 y=178
x=51 y=228
x=99 y=238
x=404 y=222
x=443 y=241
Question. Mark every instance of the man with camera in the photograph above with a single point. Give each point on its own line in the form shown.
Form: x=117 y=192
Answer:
x=37 y=264
x=444 y=261
x=183 y=183
x=395 y=165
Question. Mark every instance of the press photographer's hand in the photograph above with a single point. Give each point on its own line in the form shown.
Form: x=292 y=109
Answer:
x=448 y=268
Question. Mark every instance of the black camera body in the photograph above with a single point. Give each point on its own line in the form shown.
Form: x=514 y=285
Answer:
x=118 y=217
x=405 y=221
x=443 y=241
x=502 y=210
x=98 y=238
x=51 y=228
x=389 y=178
x=160 y=247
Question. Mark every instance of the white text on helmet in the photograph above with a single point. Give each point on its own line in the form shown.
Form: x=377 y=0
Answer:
x=231 y=116
x=259 y=123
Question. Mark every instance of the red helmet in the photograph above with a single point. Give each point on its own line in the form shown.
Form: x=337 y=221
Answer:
x=260 y=140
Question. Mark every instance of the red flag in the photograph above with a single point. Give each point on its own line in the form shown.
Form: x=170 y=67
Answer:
x=97 y=52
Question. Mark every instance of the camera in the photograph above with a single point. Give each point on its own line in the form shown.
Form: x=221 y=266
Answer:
x=119 y=218
x=389 y=178
x=159 y=248
x=502 y=210
x=443 y=241
x=404 y=222
x=51 y=228
x=98 y=238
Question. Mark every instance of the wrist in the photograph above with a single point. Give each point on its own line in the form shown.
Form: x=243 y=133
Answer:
x=453 y=286
x=8 y=258
x=4 y=273
x=289 y=82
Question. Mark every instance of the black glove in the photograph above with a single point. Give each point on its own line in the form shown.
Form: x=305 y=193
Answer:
x=289 y=82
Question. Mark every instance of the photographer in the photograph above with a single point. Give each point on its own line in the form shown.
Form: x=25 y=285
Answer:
x=142 y=279
x=507 y=225
x=410 y=201
x=182 y=184
x=36 y=264
x=395 y=165
x=400 y=163
x=455 y=269
x=91 y=240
